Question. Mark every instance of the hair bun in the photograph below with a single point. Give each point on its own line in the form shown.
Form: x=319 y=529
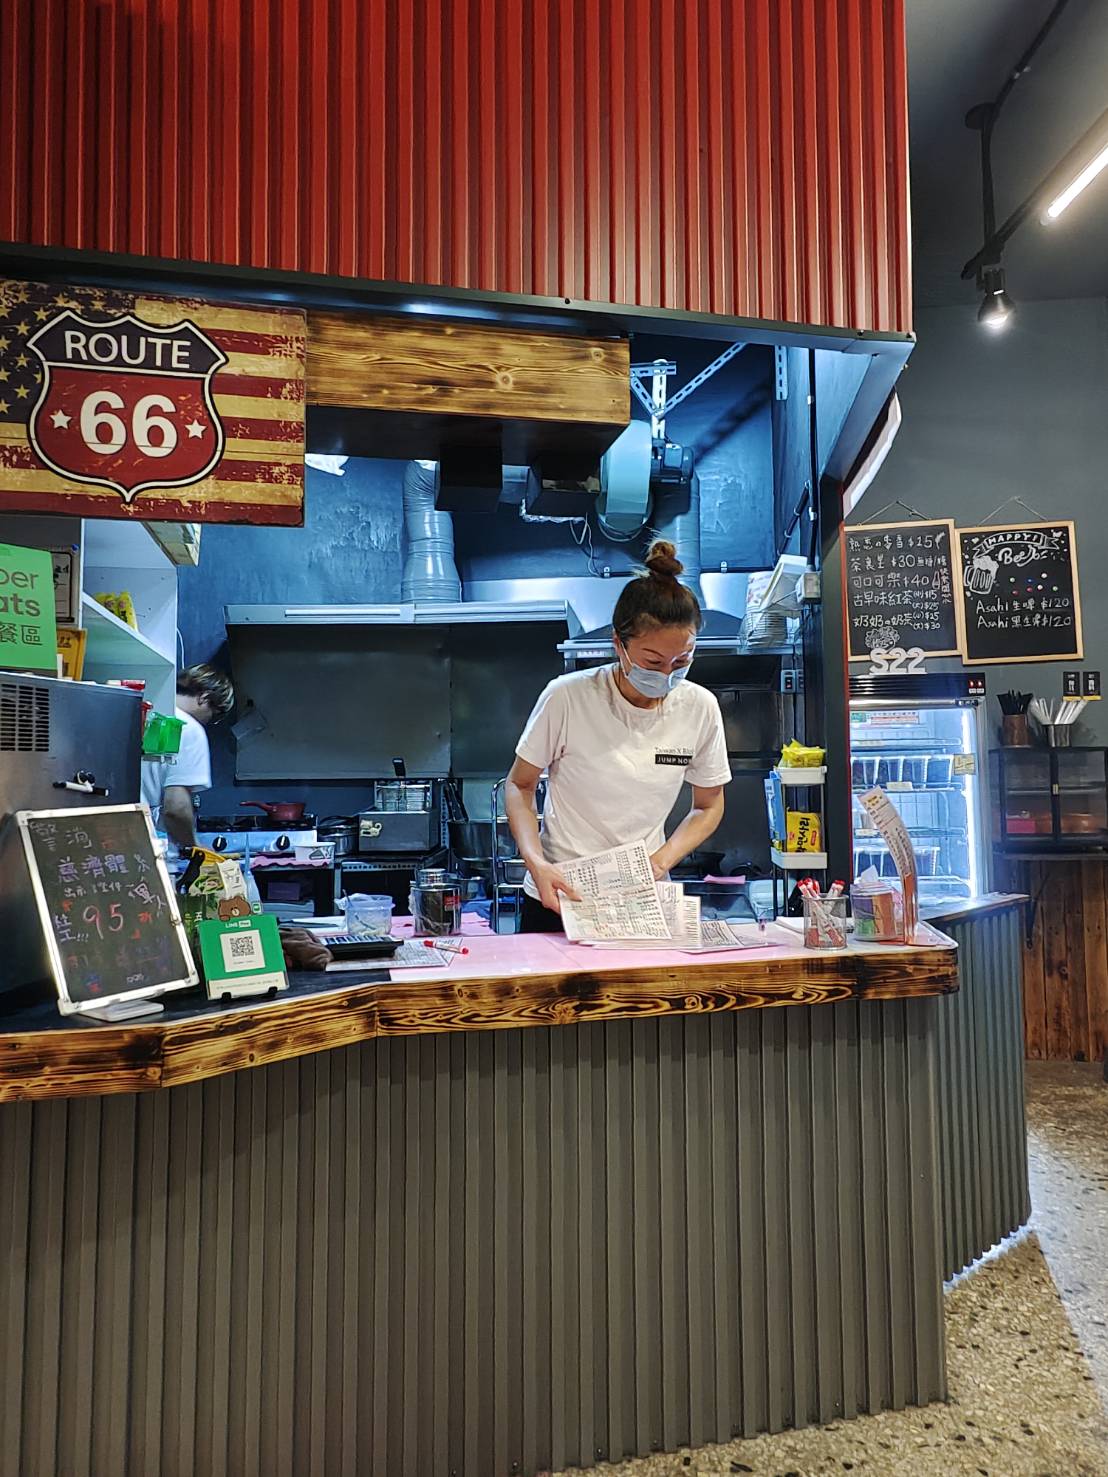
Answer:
x=662 y=561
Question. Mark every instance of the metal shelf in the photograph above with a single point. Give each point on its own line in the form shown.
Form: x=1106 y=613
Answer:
x=113 y=643
x=922 y=790
x=799 y=861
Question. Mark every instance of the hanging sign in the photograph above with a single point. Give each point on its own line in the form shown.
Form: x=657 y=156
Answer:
x=1019 y=591
x=900 y=590
x=123 y=405
x=28 y=633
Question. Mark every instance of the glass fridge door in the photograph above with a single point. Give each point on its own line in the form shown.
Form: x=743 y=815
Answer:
x=1025 y=812
x=928 y=759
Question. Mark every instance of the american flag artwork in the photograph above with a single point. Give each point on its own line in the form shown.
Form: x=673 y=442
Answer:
x=117 y=405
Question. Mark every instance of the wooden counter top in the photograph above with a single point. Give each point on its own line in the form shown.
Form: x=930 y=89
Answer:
x=959 y=910
x=504 y=982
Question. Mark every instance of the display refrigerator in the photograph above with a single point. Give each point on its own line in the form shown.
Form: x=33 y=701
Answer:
x=921 y=738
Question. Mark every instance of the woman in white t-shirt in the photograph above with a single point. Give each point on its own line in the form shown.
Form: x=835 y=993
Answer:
x=618 y=742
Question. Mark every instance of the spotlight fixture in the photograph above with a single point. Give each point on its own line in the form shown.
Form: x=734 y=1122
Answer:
x=996 y=308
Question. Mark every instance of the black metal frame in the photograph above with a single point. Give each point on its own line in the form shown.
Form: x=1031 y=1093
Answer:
x=322 y=290
x=1058 y=844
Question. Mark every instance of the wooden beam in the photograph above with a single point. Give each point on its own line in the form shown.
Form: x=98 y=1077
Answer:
x=66 y=1060
x=406 y=386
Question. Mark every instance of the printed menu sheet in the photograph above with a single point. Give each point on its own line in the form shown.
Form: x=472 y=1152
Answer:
x=634 y=903
x=682 y=916
x=619 y=897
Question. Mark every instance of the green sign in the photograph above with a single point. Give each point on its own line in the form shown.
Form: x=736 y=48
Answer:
x=242 y=955
x=28 y=629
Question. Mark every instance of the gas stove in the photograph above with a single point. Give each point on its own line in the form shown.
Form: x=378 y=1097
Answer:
x=251 y=836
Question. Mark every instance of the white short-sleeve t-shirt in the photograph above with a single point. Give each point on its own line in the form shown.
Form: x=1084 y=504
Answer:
x=190 y=767
x=615 y=770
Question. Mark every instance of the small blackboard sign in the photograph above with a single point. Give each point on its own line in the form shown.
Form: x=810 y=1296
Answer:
x=1020 y=593
x=900 y=588
x=107 y=911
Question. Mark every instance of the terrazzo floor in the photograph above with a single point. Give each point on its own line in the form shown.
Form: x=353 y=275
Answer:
x=1027 y=1337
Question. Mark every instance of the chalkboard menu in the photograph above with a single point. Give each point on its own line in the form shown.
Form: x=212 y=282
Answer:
x=109 y=917
x=1019 y=591
x=900 y=588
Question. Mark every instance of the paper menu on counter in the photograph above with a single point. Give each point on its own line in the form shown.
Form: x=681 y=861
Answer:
x=682 y=916
x=716 y=935
x=619 y=897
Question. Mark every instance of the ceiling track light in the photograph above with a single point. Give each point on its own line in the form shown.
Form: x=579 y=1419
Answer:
x=1080 y=181
x=996 y=308
x=1074 y=173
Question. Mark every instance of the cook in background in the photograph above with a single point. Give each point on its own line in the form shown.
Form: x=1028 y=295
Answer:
x=618 y=742
x=204 y=696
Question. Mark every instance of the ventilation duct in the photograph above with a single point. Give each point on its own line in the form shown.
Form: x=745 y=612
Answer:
x=677 y=518
x=430 y=574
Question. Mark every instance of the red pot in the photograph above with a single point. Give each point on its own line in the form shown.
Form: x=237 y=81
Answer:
x=284 y=812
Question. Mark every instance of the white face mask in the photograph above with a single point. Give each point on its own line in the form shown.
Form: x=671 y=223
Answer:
x=650 y=683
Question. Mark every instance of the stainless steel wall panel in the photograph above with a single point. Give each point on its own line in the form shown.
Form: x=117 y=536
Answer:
x=847 y=1109
x=726 y=1367
x=15 y=1175
x=827 y=1292
x=801 y=1226
x=490 y=1253
x=45 y=1233
x=752 y=1234
x=646 y=1254
x=982 y=1128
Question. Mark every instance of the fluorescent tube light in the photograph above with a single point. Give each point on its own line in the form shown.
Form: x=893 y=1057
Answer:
x=1077 y=184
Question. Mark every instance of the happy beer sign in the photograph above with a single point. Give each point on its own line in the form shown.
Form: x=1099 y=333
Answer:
x=116 y=404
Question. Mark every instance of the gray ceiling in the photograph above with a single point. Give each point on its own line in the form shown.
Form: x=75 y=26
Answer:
x=958 y=54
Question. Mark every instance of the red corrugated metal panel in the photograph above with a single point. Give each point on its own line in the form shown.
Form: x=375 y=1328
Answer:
x=744 y=157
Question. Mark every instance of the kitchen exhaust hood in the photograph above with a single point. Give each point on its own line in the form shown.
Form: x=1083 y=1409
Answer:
x=428 y=613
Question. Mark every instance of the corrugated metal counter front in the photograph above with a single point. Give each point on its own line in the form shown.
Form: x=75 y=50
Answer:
x=488 y=1252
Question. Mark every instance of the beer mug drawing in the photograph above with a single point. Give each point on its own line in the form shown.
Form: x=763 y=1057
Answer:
x=981 y=574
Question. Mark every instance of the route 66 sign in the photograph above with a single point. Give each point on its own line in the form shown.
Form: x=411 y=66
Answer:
x=118 y=404
x=126 y=404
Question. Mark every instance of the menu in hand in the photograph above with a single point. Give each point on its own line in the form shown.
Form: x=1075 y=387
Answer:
x=107 y=912
x=900 y=588
x=1020 y=593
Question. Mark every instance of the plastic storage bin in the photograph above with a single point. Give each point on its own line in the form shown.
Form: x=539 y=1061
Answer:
x=878 y=914
x=162 y=735
x=940 y=771
x=368 y=914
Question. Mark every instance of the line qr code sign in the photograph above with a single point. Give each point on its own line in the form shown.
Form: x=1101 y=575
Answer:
x=242 y=951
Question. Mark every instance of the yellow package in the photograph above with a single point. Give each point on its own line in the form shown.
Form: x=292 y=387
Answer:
x=120 y=605
x=125 y=609
x=211 y=881
x=803 y=832
x=800 y=756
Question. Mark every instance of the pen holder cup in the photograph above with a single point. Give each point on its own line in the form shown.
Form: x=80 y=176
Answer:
x=825 y=922
x=1015 y=732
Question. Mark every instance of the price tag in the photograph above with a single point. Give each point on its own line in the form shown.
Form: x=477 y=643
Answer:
x=1079 y=683
x=965 y=764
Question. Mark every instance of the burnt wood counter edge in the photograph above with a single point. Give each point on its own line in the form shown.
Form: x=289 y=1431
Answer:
x=79 y=1060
